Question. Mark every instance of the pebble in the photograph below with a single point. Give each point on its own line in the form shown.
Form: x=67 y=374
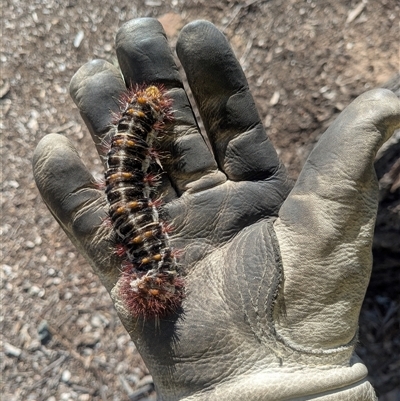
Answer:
x=78 y=39
x=66 y=376
x=96 y=321
x=11 y=183
x=33 y=123
x=68 y=295
x=66 y=397
x=153 y=3
x=5 y=228
x=29 y=244
x=275 y=98
x=11 y=350
x=34 y=290
x=6 y=269
x=44 y=332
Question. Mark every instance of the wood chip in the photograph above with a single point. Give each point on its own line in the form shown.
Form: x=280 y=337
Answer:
x=355 y=12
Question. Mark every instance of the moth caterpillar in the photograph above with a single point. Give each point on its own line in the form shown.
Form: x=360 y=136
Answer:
x=150 y=284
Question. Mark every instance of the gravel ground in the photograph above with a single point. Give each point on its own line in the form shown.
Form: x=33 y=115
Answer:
x=305 y=61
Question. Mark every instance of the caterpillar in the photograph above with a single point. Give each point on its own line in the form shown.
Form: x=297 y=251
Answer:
x=151 y=286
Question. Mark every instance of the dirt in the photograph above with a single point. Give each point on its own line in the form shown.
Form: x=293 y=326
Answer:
x=305 y=61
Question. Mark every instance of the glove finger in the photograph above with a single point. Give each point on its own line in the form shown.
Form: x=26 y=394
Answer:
x=145 y=58
x=241 y=146
x=325 y=228
x=95 y=89
x=71 y=194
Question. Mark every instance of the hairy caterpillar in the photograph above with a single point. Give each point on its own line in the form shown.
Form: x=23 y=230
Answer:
x=150 y=284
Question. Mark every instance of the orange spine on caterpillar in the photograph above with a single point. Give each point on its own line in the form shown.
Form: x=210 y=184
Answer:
x=150 y=284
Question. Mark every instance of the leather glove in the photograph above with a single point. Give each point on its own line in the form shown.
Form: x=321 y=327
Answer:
x=274 y=277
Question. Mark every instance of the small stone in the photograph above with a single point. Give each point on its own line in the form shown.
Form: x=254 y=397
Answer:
x=339 y=106
x=95 y=321
x=88 y=352
x=99 y=320
x=44 y=332
x=78 y=39
x=12 y=183
x=33 y=124
x=34 y=290
x=6 y=269
x=68 y=295
x=5 y=229
x=4 y=89
x=329 y=95
x=48 y=282
x=11 y=350
x=29 y=244
x=6 y=105
x=268 y=121
x=153 y=3
x=66 y=376
x=275 y=98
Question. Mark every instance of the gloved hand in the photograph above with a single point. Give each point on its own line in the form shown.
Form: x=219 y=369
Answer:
x=274 y=280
